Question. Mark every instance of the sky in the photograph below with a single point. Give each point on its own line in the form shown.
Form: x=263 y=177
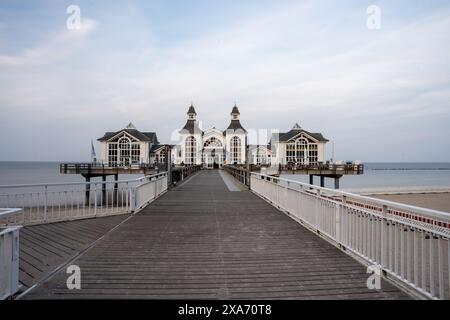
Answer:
x=379 y=95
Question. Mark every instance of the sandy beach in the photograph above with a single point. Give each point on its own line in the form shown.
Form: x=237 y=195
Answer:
x=436 y=201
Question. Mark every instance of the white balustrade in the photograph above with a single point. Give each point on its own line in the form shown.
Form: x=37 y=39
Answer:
x=45 y=203
x=410 y=244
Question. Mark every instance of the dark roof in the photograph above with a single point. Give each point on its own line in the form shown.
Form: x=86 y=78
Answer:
x=192 y=127
x=191 y=110
x=155 y=147
x=235 y=124
x=142 y=136
x=235 y=110
x=295 y=131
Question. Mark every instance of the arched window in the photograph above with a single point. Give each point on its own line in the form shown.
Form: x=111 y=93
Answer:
x=124 y=151
x=302 y=151
x=190 y=150
x=160 y=156
x=235 y=152
x=213 y=142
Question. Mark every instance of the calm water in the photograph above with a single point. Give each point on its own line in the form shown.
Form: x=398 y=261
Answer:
x=376 y=175
x=42 y=172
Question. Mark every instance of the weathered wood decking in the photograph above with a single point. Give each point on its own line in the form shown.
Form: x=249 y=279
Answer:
x=43 y=248
x=202 y=241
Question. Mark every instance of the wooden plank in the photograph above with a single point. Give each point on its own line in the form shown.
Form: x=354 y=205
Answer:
x=201 y=241
x=45 y=247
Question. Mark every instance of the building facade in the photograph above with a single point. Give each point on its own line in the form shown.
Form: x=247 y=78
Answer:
x=298 y=147
x=212 y=148
x=127 y=147
x=260 y=155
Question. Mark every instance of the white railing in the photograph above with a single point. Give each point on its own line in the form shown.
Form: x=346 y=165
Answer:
x=410 y=244
x=45 y=203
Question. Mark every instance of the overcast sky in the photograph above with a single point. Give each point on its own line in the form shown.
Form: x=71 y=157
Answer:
x=380 y=95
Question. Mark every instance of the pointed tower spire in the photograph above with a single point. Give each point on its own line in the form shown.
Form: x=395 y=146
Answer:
x=191 y=112
x=191 y=124
x=296 y=127
x=235 y=124
x=235 y=113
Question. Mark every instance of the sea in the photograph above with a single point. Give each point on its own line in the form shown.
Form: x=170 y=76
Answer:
x=376 y=175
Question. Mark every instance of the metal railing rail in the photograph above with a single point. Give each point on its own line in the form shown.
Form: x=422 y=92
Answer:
x=239 y=173
x=54 y=202
x=409 y=244
x=9 y=212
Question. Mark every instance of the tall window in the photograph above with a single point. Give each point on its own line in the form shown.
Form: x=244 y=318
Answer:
x=135 y=153
x=190 y=150
x=161 y=156
x=112 y=154
x=313 y=154
x=235 y=152
x=301 y=151
x=125 y=150
x=290 y=152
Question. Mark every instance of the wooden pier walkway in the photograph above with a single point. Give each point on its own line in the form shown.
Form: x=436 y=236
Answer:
x=43 y=248
x=203 y=241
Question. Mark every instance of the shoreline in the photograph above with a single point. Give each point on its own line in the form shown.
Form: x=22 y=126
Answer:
x=398 y=190
x=435 y=198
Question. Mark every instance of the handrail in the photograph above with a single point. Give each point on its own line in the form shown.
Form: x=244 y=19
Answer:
x=54 y=202
x=8 y=212
x=424 y=211
x=44 y=204
x=406 y=242
x=80 y=183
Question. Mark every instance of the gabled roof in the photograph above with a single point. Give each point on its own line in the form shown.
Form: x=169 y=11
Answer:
x=286 y=136
x=156 y=147
x=141 y=136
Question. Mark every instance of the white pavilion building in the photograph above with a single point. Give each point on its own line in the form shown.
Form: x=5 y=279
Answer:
x=212 y=148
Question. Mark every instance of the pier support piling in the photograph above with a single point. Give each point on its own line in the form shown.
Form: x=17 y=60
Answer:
x=104 y=188
x=322 y=181
x=336 y=183
x=311 y=179
x=116 y=185
x=88 y=190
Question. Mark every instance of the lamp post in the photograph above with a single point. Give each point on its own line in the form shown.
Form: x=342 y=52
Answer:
x=168 y=150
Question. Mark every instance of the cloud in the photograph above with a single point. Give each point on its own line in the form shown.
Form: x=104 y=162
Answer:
x=293 y=63
x=57 y=48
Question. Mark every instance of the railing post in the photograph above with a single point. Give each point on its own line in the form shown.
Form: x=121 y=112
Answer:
x=383 y=261
x=346 y=226
x=132 y=199
x=316 y=216
x=95 y=200
x=45 y=203
x=338 y=222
